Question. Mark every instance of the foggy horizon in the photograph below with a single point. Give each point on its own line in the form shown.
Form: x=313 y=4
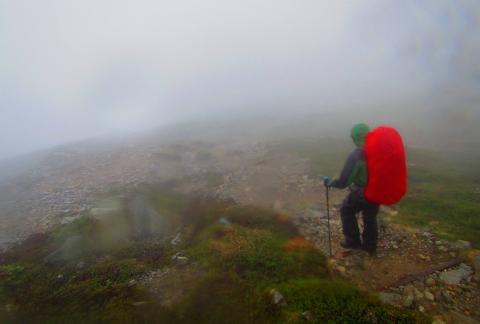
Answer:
x=72 y=71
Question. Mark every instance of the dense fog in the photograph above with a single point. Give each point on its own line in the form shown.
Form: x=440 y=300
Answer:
x=75 y=70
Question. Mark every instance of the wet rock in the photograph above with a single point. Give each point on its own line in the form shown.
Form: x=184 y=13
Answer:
x=430 y=282
x=277 y=298
x=462 y=245
x=179 y=258
x=177 y=239
x=418 y=294
x=341 y=269
x=408 y=301
x=224 y=221
x=409 y=290
x=454 y=277
x=476 y=264
x=443 y=248
x=429 y=296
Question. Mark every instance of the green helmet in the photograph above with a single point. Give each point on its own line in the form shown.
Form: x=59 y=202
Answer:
x=359 y=133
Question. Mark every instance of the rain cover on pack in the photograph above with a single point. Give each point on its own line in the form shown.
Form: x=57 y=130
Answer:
x=386 y=165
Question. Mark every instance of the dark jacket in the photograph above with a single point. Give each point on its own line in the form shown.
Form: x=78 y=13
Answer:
x=354 y=172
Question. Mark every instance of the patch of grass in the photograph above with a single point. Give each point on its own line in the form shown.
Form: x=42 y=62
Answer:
x=444 y=194
x=258 y=252
x=226 y=298
x=337 y=302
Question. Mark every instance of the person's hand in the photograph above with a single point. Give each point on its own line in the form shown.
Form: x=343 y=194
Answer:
x=326 y=181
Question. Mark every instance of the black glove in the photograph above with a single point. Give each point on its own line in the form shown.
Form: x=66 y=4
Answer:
x=326 y=181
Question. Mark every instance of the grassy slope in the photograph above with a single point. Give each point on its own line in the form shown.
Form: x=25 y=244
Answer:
x=260 y=250
x=444 y=187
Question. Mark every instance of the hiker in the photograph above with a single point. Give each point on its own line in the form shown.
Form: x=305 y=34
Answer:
x=354 y=175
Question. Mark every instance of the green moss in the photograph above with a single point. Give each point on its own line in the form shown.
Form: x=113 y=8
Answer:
x=443 y=194
x=225 y=298
x=338 y=302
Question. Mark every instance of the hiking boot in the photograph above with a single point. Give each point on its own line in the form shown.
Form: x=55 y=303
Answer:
x=347 y=245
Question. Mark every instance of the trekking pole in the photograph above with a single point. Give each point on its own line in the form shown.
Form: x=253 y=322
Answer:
x=325 y=181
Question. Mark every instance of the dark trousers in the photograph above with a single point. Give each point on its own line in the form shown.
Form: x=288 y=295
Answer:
x=353 y=204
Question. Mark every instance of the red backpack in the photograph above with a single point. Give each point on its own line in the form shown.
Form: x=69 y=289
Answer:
x=386 y=166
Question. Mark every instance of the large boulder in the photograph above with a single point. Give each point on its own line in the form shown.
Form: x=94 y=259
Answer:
x=455 y=276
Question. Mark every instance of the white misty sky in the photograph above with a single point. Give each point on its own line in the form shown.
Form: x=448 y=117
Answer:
x=76 y=69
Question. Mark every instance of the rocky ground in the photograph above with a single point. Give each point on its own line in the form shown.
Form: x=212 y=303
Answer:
x=400 y=270
x=63 y=188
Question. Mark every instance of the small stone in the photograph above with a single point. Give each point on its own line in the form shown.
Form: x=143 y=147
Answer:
x=421 y=256
x=408 y=301
x=390 y=298
x=139 y=303
x=421 y=308
x=443 y=248
x=429 y=296
x=476 y=264
x=132 y=283
x=80 y=265
x=277 y=298
x=430 y=282
x=463 y=245
x=308 y=315
x=224 y=221
x=60 y=276
x=409 y=290
x=418 y=294
x=341 y=269
x=176 y=240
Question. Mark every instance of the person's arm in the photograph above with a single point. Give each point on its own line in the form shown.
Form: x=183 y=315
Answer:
x=346 y=175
